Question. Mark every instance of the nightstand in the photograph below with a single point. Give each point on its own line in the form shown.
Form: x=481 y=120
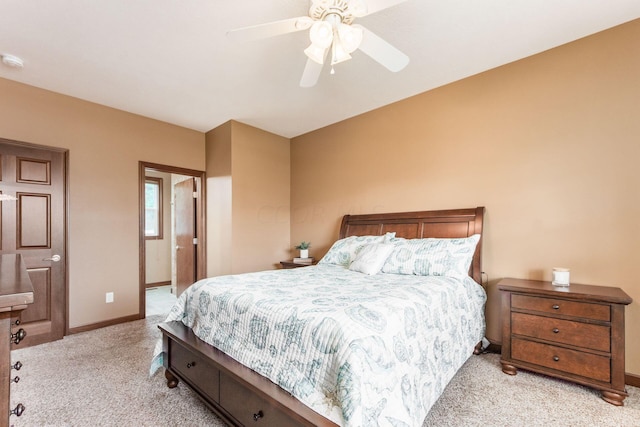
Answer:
x=291 y=264
x=575 y=333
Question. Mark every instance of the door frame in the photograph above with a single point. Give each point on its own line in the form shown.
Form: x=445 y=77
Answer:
x=201 y=259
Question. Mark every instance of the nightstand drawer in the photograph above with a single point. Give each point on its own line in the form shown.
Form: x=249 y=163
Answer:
x=559 y=306
x=561 y=359
x=596 y=337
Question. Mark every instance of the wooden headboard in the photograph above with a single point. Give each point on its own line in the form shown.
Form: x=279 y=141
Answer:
x=416 y=225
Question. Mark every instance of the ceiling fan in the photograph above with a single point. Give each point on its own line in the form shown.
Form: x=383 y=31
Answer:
x=332 y=33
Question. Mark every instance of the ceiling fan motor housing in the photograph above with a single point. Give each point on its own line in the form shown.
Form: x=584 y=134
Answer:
x=344 y=9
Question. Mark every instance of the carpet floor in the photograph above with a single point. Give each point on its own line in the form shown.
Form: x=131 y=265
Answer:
x=100 y=378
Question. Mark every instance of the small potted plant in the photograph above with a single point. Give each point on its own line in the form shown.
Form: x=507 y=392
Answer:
x=303 y=247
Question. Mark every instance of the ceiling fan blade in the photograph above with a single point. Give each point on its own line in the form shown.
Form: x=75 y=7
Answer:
x=311 y=73
x=381 y=51
x=270 y=29
x=374 y=6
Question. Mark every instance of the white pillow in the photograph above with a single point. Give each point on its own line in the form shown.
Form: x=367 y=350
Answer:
x=432 y=257
x=370 y=258
x=344 y=251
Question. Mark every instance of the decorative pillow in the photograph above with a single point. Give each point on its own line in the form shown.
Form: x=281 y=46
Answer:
x=370 y=258
x=432 y=257
x=343 y=251
x=402 y=257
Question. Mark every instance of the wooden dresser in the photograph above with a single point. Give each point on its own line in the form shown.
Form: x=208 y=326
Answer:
x=16 y=292
x=575 y=333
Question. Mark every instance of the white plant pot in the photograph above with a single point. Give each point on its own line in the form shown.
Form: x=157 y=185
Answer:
x=304 y=253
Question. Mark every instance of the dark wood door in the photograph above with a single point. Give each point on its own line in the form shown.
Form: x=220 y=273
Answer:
x=34 y=226
x=185 y=226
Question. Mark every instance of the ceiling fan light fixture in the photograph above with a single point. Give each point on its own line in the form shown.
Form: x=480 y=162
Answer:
x=331 y=29
x=321 y=34
x=350 y=37
x=316 y=53
x=338 y=53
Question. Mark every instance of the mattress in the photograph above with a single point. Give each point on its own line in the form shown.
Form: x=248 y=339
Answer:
x=358 y=349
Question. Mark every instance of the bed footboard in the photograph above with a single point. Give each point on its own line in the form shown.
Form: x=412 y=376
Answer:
x=236 y=393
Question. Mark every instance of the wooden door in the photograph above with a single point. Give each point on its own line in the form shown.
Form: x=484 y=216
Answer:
x=185 y=226
x=34 y=226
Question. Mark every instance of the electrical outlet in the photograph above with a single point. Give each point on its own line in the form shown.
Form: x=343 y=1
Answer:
x=109 y=297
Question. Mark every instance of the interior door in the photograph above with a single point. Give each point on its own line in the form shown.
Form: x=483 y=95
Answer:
x=185 y=226
x=34 y=226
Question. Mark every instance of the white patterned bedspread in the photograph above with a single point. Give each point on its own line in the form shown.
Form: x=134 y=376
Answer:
x=360 y=350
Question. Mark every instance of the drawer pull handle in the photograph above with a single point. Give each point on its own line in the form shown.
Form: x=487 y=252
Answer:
x=556 y=358
x=18 y=336
x=191 y=365
x=556 y=307
x=18 y=410
x=15 y=379
x=257 y=416
x=17 y=365
x=556 y=330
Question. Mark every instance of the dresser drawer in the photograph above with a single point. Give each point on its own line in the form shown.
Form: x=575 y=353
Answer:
x=195 y=370
x=595 y=337
x=559 y=306
x=249 y=409
x=561 y=359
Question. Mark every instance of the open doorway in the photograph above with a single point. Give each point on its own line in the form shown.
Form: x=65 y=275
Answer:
x=172 y=254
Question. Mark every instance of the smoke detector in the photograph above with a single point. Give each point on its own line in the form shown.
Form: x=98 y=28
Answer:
x=12 y=61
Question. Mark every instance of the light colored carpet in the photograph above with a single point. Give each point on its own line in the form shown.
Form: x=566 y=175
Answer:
x=100 y=378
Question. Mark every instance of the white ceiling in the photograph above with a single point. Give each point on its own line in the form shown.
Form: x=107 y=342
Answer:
x=170 y=59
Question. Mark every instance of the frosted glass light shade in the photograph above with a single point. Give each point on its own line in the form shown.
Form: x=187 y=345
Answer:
x=321 y=34
x=316 y=53
x=338 y=53
x=350 y=37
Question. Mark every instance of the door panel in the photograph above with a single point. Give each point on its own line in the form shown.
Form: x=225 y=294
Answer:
x=34 y=226
x=185 y=234
x=40 y=310
x=34 y=221
x=33 y=171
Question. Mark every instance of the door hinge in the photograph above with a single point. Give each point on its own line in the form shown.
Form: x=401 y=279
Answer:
x=195 y=240
x=195 y=194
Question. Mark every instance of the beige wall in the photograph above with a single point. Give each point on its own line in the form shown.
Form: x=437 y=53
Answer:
x=248 y=213
x=219 y=201
x=549 y=145
x=104 y=146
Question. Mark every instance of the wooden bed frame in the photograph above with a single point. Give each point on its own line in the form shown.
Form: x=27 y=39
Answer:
x=241 y=396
